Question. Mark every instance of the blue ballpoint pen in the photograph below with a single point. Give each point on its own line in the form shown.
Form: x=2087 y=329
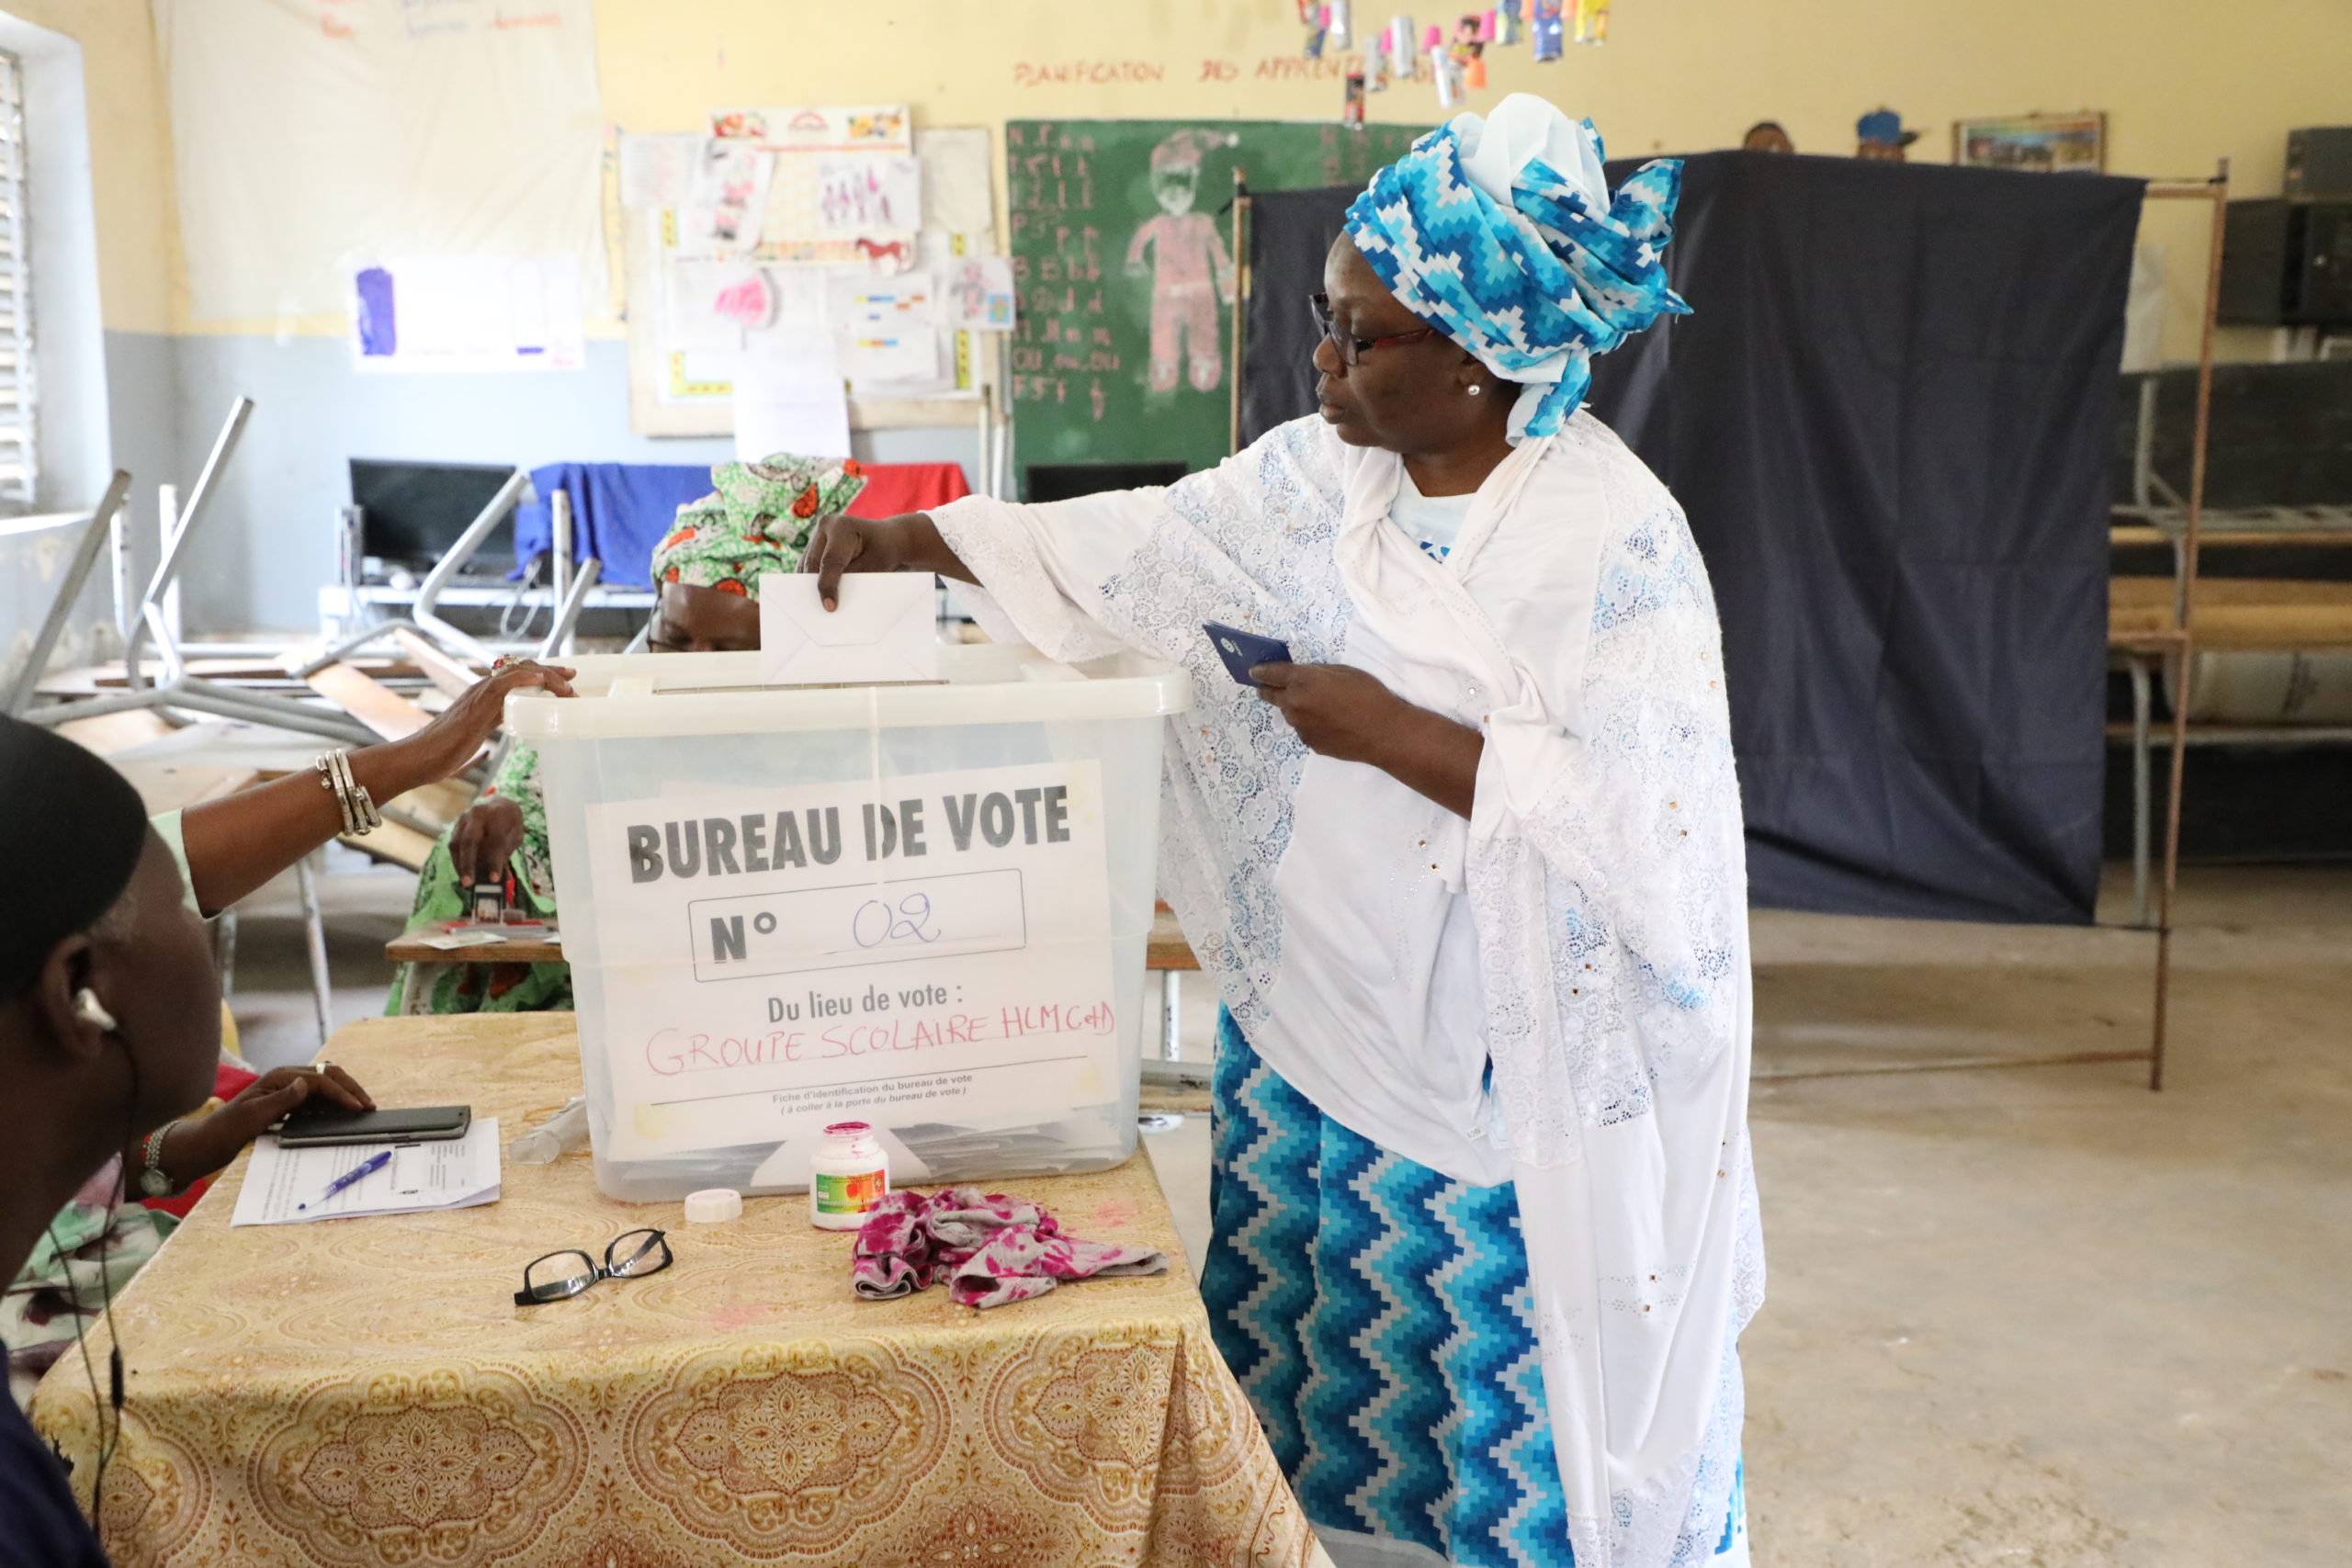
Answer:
x=365 y=1167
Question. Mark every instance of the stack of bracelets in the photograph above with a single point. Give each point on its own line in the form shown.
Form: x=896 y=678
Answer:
x=359 y=813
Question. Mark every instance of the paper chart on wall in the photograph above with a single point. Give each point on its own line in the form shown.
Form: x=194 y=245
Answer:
x=804 y=143
x=832 y=173
x=466 y=314
x=866 y=194
x=307 y=143
x=788 y=394
x=934 y=951
x=659 y=170
x=959 y=183
x=978 y=293
x=890 y=328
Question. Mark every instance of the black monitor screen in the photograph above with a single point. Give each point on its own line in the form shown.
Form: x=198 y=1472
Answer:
x=411 y=513
x=1068 y=481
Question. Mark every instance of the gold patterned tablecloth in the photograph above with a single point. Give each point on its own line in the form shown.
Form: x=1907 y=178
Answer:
x=364 y=1392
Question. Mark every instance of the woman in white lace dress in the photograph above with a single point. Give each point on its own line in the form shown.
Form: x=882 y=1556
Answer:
x=1467 y=872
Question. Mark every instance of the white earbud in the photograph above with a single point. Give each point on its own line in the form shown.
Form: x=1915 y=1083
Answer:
x=89 y=1009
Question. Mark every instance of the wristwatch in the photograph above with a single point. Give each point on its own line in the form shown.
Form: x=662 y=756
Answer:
x=152 y=1181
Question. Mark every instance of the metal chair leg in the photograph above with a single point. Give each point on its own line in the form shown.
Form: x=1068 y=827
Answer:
x=315 y=932
x=224 y=950
x=1172 y=1001
x=2142 y=812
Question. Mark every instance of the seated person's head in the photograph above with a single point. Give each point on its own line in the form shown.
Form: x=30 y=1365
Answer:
x=758 y=519
x=110 y=1007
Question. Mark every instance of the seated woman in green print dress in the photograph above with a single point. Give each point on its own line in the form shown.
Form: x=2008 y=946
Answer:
x=706 y=572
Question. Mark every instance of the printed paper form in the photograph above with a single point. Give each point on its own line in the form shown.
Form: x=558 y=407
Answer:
x=452 y=1173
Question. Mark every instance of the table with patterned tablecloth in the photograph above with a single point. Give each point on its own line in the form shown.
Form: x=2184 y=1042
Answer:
x=365 y=1391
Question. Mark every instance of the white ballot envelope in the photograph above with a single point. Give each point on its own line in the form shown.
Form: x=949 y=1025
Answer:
x=885 y=629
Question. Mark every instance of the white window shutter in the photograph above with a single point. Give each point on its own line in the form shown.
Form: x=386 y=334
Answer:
x=16 y=382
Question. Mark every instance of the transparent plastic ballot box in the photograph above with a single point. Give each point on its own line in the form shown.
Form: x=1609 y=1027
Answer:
x=921 y=906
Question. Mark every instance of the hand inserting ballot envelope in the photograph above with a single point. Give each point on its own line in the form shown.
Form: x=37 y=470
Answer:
x=885 y=629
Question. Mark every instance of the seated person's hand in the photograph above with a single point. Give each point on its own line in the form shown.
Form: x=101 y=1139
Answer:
x=484 y=840
x=201 y=1145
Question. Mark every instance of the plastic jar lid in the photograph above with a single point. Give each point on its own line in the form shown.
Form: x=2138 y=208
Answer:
x=713 y=1204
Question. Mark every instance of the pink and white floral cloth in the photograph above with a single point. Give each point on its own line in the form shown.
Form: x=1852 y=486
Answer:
x=990 y=1248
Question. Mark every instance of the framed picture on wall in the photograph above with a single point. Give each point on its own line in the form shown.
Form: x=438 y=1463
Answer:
x=2037 y=144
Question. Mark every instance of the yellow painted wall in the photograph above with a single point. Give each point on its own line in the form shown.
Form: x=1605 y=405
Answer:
x=2184 y=82
x=131 y=153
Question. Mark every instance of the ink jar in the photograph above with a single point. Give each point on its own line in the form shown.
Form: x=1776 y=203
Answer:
x=849 y=1175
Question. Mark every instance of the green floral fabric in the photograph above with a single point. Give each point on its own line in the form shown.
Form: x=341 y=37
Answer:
x=757 y=518
x=530 y=891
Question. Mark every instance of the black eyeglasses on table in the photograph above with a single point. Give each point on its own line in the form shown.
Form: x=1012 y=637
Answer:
x=1352 y=348
x=562 y=1275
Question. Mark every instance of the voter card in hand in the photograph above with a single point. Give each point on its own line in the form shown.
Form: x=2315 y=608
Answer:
x=1244 y=651
x=284 y=1186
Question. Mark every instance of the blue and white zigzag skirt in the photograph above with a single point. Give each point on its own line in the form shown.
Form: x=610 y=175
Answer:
x=1377 y=1315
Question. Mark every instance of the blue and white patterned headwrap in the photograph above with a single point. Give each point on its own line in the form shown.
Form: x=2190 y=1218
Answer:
x=1500 y=233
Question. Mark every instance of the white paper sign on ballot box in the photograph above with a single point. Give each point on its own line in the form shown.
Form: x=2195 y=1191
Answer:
x=935 y=953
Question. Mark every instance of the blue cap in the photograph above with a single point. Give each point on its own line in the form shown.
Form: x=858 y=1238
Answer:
x=1886 y=126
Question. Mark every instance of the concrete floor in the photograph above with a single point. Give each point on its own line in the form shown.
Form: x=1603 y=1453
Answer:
x=2034 y=1316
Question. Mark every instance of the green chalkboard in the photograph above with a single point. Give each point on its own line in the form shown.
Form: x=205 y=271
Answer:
x=1121 y=251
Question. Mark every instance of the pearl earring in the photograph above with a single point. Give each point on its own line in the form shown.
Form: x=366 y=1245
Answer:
x=1474 y=389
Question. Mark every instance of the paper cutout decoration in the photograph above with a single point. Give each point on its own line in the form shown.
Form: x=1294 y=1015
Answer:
x=1592 y=21
x=1507 y=33
x=1445 y=71
x=729 y=200
x=979 y=292
x=708 y=305
x=747 y=301
x=1545 y=30
x=1469 y=51
x=1404 y=56
x=1352 y=108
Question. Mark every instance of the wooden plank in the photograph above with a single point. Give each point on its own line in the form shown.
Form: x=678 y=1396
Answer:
x=370 y=701
x=409 y=948
x=1166 y=948
x=112 y=732
x=165 y=786
x=2143 y=534
x=453 y=676
x=393 y=844
x=435 y=804
x=2237 y=614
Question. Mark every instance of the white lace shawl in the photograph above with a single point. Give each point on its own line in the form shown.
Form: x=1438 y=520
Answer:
x=1604 y=868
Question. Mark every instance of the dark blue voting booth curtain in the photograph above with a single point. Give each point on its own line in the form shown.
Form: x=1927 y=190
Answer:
x=1888 y=419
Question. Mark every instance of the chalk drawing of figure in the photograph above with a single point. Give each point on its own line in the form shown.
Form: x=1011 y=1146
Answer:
x=1190 y=269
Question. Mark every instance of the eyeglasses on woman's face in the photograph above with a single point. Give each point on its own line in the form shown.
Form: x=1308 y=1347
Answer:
x=1352 y=348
